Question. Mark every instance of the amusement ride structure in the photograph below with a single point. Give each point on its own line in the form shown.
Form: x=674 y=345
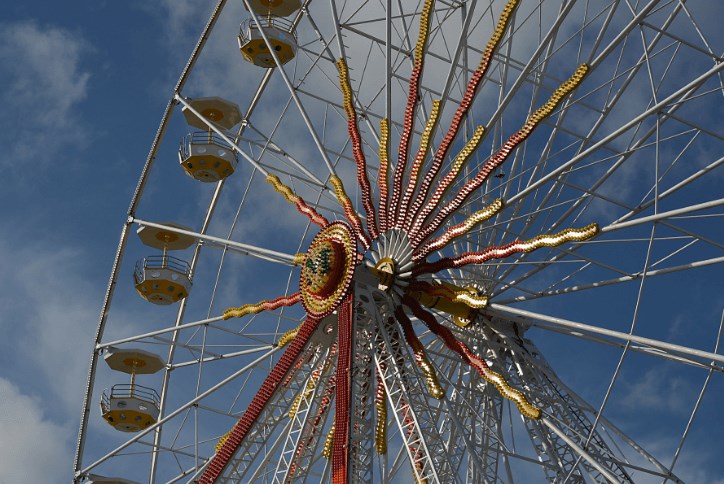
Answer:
x=385 y=210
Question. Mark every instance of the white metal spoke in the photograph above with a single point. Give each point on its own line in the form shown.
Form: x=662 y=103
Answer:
x=537 y=319
x=259 y=252
x=176 y=412
x=618 y=280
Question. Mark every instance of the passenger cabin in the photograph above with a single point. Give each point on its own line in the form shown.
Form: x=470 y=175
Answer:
x=205 y=155
x=131 y=407
x=282 y=39
x=163 y=279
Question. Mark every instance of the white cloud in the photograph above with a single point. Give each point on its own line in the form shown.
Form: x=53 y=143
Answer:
x=180 y=16
x=49 y=304
x=34 y=449
x=694 y=464
x=50 y=314
x=658 y=390
x=44 y=82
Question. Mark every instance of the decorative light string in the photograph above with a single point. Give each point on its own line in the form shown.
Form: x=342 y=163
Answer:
x=287 y=337
x=499 y=157
x=349 y=211
x=525 y=407
x=343 y=397
x=221 y=441
x=458 y=230
x=457 y=164
x=383 y=173
x=412 y=99
x=381 y=422
x=419 y=159
x=328 y=443
x=358 y=153
x=452 y=294
x=428 y=372
x=506 y=250
x=296 y=200
x=460 y=113
x=265 y=305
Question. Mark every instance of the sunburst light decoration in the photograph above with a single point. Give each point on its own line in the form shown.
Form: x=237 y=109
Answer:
x=407 y=225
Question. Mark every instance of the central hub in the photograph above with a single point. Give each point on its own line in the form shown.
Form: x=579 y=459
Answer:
x=391 y=263
x=385 y=271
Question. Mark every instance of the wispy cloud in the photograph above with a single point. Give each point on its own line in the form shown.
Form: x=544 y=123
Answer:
x=657 y=390
x=34 y=448
x=180 y=16
x=48 y=308
x=44 y=80
x=692 y=467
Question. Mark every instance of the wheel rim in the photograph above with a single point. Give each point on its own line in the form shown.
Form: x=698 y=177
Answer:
x=580 y=166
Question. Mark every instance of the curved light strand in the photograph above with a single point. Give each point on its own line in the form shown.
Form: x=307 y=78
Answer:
x=265 y=305
x=383 y=175
x=462 y=109
x=525 y=407
x=328 y=443
x=359 y=156
x=412 y=99
x=381 y=422
x=506 y=250
x=419 y=159
x=459 y=230
x=457 y=164
x=428 y=372
x=296 y=200
x=498 y=158
x=349 y=211
x=454 y=294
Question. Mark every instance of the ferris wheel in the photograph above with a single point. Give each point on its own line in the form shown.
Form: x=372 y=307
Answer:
x=433 y=241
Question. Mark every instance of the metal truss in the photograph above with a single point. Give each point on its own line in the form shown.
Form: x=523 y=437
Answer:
x=362 y=423
x=579 y=423
x=489 y=439
x=561 y=461
x=308 y=448
x=303 y=430
x=417 y=420
x=560 y=437
x=477 y=407
x=276 y=412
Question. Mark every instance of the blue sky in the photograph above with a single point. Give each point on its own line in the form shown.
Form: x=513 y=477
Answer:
x=84 y=85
